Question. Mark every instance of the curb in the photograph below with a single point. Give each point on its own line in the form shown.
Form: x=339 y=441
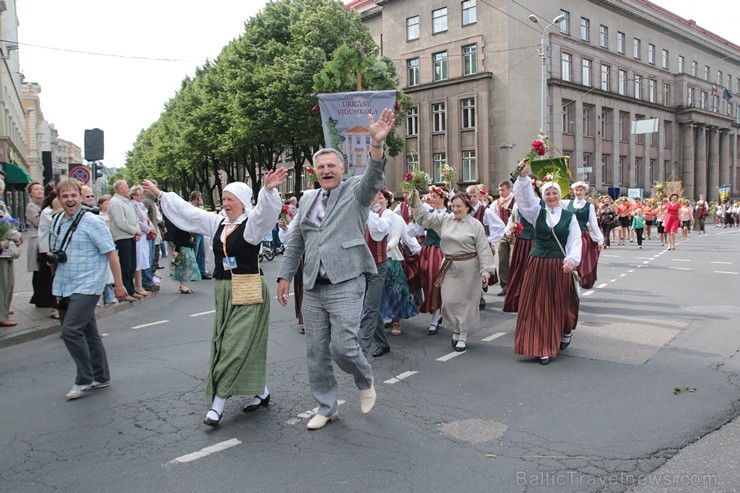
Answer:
x=54 y=327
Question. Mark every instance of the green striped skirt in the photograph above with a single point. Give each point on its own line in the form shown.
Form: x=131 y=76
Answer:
x=239 y=345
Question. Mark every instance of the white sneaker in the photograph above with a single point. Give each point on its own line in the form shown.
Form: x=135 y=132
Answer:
x=98 y=385
x=77 y=391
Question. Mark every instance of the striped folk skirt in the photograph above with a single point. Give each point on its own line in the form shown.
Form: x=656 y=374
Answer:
x=589 y=260
x=396 y=302
x=517 y=267
x=548 y=308
x=430 y=260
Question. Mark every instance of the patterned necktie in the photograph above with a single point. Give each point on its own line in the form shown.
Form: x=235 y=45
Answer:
x=321 y=206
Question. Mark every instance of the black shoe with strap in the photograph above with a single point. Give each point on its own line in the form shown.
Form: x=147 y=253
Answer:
x=262 y=402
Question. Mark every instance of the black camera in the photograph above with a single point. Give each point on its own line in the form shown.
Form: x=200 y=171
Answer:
x=55 y=258
x=92 y=210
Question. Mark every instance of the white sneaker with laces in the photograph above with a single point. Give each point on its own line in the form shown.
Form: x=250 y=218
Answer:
x=77 y=391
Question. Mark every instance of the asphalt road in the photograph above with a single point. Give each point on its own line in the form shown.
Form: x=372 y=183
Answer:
x=598 y=418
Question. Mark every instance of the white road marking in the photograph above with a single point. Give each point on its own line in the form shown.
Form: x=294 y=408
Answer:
x=207 y=451
x=680 y=260
x=601 y=286
x=679 y=268
x=308 y=414
x=724 y=263
x=104 y=334
x=203 y=313
x=449 y=356
x=400 y=377
x=149 y=325
x=587 y=293
x=494 y=336
x=724 y=272
x=621 y=275
x=631 y=270
x=613 y=280
x=646 y=262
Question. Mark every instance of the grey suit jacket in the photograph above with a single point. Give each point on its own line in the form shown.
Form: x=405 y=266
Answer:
x=339 y=242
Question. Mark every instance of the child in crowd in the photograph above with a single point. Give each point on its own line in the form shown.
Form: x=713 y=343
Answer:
x=638 y=225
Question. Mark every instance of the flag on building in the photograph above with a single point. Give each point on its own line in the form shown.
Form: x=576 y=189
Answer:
x=726 y=95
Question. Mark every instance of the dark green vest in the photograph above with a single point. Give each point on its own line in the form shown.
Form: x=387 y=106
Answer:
x=528 y=231
x=544 y=243
x=581 y=214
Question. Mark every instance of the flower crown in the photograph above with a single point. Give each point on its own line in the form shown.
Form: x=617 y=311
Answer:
x=439 y=191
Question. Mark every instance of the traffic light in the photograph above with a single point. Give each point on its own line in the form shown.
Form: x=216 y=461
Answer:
x=96 y=171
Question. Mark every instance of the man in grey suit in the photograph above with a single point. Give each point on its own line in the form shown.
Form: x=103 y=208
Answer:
x=330 y=232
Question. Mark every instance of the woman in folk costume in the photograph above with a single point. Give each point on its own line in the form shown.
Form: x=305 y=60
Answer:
x=586 y=215
x=519 y=254
x=396 y=302
x=431 y=257
x=467 y=261
x=702 y=211
x=548 y=292
x=239 y=343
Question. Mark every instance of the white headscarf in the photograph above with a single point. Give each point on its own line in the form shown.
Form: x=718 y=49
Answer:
x=549 y=184
x=244 y=194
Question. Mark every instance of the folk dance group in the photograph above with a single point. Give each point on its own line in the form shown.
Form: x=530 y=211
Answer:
x=360 y=263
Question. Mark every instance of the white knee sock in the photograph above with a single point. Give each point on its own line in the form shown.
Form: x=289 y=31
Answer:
x=436 y=316
x=218 y=407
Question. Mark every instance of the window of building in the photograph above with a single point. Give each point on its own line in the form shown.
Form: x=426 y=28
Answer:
x=715 y=104
x=412 y=162
x=651 y=170
x=603 y=36
x=566 y=118
x=729 y=82
x=622 y=83
x=565 y=23
x=469 y=14
x=694 y=68
x=666 y=94
x=438 y=159
x=566 y=66
x=604 y=169
x=652 y=89
x=620 y=42
x=664 y=59
x=467 y=106
x=638 y=86
x=703 y=100
x=680 y=64
x=412 y=121
x=412 y=28
x=438 y=117
x=621 y=170
x=470 y=59
x=605 y=74
x=690 y=98
x=585 y=29
x=729 y=109
x=651 y=54
x=737 y=85
x=585 y=121
x=706 y=72
x=737 y=113
x=636 y=181
x=439 y=20
x=719 y=77
x=586 y=72
x=636 y=48
x=605 y=125
x=624 y=127
x=469 y=169
x=440 y=66
x=412 y=72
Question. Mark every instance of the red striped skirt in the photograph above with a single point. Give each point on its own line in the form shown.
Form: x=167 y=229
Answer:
x=589 y=260
x=411 y=269
x=548 y=308
x=517 y=266
x=430 y=260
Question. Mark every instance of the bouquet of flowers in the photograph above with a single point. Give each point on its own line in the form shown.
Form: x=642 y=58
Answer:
x=286 y=214
x=537 y=149
x=8 y=225
x=660 y=190
x=311 y=175
x=416 y=180
x=513 y=229
x=447 y=173
x=176 y=260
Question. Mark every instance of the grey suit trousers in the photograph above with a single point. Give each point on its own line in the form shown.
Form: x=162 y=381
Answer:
x=331 y=317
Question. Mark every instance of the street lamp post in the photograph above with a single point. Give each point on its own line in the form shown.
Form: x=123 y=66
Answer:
x=543 y=55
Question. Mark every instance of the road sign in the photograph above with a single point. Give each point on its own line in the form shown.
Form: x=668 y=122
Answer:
x=81 y=174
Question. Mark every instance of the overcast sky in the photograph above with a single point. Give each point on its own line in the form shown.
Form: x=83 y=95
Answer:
x=124 y=94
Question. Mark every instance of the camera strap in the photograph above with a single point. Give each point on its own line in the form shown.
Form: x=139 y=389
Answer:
x=68 y=236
